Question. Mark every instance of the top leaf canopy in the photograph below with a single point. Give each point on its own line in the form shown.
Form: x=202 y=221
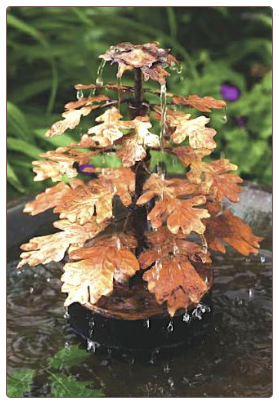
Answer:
x=148 y=57
x=99 y=257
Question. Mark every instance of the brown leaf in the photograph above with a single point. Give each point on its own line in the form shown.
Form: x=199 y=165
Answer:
x=96 y=197
x=111 y=129
x=120 y=181
x=85 y=201
x=131 y=151
x=60 y=162
x=175 y=281
x=163 y=244
x=47 y=200
x=156 y=185
x=87 y=280
x=44 y=249
x=203 y=104
x=70 y=121
x=231 y=230
x=179 y=213
x=109 y=86
x=187 y=155
x=214 y=179
x=132 y=146
x=148 y=57
x=199 y=136
x=86 y=102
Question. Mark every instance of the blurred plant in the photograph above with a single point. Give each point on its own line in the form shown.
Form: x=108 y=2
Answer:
x=62 y=384
x=49 y=48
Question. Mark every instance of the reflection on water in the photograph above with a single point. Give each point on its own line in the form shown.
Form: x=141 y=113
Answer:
x=232 y=359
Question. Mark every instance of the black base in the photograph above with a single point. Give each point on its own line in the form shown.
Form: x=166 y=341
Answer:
x=156 y=332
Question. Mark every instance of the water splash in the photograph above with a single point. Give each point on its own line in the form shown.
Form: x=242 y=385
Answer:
x=67 y=346
x=171 y=382
x=170 y=326
x=166 y=368
x=66 y=314
x=99 y=80
x=186 y=317
x=200 y=310
x=91 y=345
x=262 y=259
x=163 y=102
x=79 y=94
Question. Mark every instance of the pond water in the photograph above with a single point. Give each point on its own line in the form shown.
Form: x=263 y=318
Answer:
x=232 y=359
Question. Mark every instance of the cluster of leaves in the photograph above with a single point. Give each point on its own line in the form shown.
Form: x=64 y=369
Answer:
x=214 y=44
x=176 y=207
x=62 y=384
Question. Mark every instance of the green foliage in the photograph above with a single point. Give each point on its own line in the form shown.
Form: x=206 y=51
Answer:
x=52 y=48
x=68 y=386
x=62 y=384
x=19 y=382
x=67 y=358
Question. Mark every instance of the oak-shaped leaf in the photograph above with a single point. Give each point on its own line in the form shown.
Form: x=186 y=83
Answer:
x=120 y=181
x=111 y=128
x=204 y=104
x=91 y=277
x=187 y=155
x=148 y=57
x=86 y=200
x=133 y=145
x=60 y=162
x=86 y=102
x=44 y=249
x=95 y=198
x=48 y=199
x=214 y=179
x=70 y=121
x=178 y=213
x=183 y=127
x=227 y=228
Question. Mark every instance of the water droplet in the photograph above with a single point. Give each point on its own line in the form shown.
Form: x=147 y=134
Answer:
x=67 y=346
x=186 y=317
x=79 y=94
x=66 y=314
x=158 y=267
x=91 y=345
x=171 y=382
x=175 y=249
x=166 y=368
x=147 y=323
x=163 y=101
x=99 y=80
x=118 y=243
x=224 y=119
x=48 y=279
x=251 y=293
x=170 y=327
x=262 y=258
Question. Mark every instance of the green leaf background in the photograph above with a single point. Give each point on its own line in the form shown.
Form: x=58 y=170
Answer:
x=62 y=379
x=52 y=48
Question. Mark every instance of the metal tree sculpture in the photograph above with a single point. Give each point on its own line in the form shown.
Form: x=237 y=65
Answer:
x=161 y=212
